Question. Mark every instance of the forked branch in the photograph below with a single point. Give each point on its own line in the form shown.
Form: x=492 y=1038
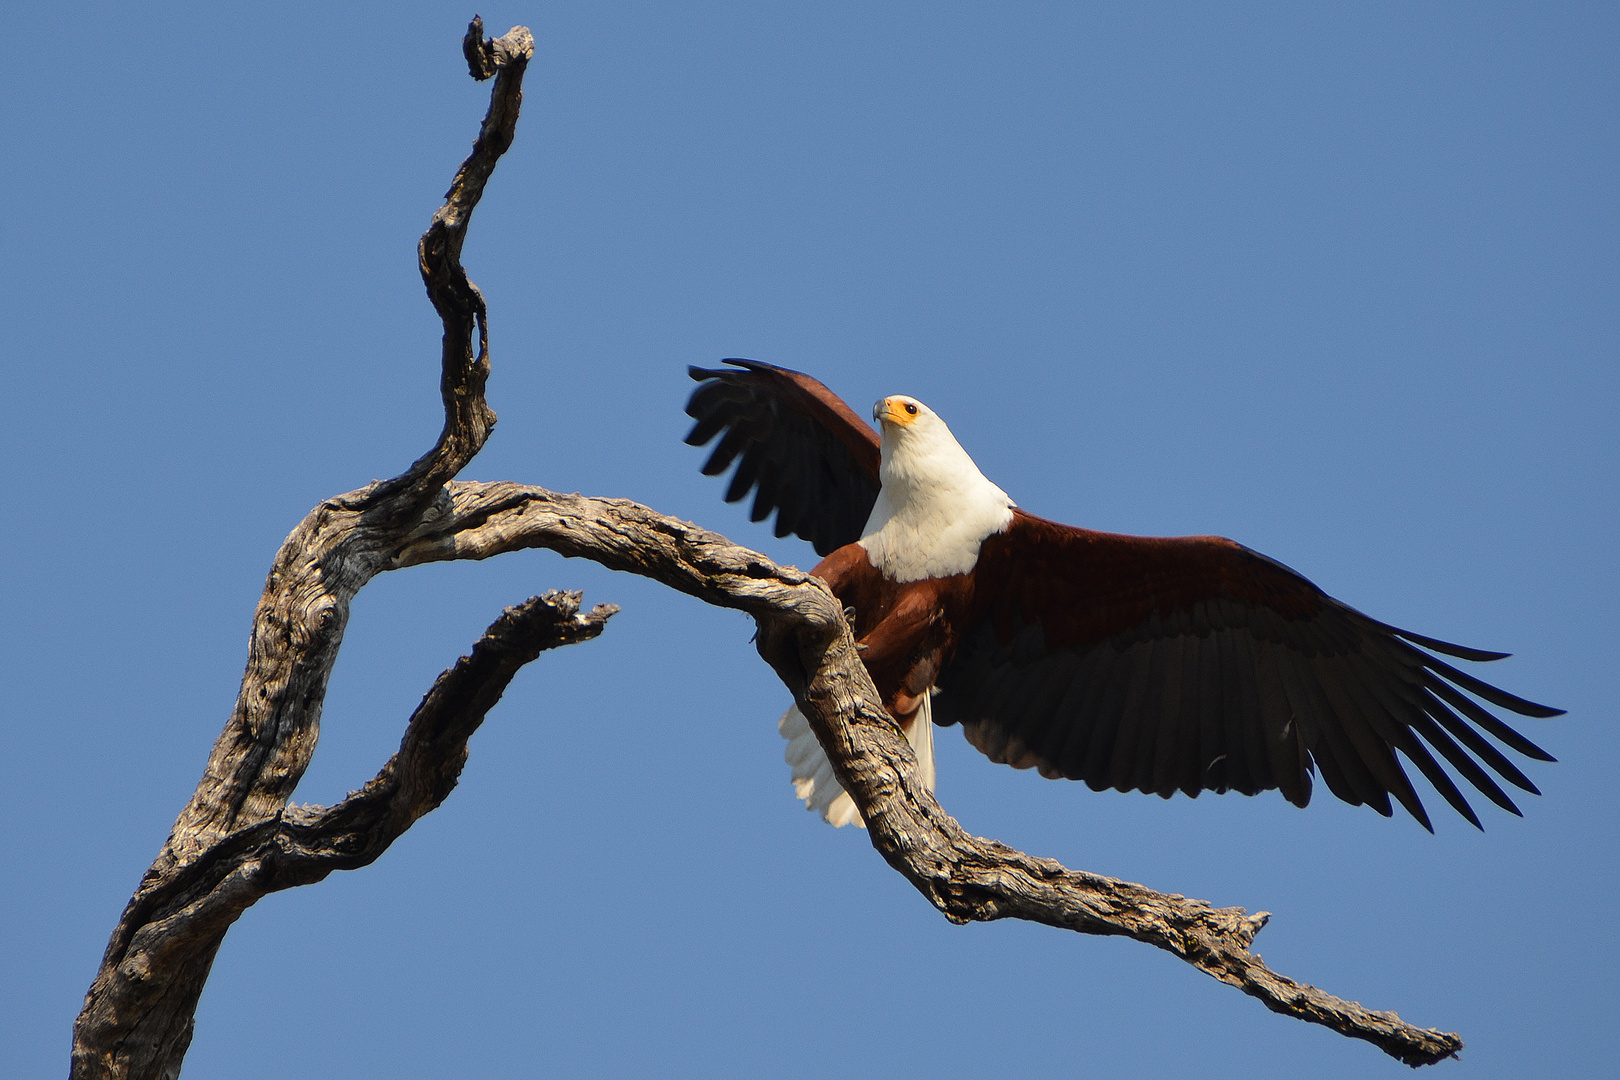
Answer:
x=234 y=841
x=238 y=839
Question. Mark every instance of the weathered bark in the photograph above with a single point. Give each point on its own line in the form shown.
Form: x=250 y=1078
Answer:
x=238 y=839
x=805 y=638
x=137 y=1017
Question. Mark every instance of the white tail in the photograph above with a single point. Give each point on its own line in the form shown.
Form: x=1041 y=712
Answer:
x=813 y=779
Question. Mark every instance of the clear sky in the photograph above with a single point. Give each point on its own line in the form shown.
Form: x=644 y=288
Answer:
x=1337 y=281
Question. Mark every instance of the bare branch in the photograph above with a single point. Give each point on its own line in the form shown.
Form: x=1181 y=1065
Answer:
x=238 y=840
x=804 y=636
x=313 y=841
x=334 y=551
x=137 y=1016
x=137 y=1019
x=468 y=419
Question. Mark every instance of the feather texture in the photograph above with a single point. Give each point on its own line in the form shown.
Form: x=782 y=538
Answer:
x=813 y=461
x=1138 y=663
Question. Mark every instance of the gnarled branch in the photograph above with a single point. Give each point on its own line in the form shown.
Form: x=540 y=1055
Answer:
x=805 y=638
x=232 y=843
x=237 y=839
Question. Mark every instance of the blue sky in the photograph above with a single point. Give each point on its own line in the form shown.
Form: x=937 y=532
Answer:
x=1341 y=284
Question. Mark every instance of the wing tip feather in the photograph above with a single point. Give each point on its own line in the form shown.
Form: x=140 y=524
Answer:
x=1461 y=652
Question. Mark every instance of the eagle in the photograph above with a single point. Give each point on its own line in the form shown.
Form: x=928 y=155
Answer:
x=1152 y=664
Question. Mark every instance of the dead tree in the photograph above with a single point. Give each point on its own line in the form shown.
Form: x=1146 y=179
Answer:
x=238 y=838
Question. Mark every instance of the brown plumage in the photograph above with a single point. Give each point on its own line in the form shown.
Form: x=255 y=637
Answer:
x=814 y=462
x=1136 y=663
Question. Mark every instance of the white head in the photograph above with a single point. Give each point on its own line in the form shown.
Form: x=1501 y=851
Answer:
x=935 y=506
x=918 y=449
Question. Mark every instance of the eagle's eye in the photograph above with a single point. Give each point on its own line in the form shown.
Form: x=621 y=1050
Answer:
x=912 y=409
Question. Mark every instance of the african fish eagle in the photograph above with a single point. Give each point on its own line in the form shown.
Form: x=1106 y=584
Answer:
x=1136 y=663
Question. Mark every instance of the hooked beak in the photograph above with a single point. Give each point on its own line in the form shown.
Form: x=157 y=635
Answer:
x=896 y=409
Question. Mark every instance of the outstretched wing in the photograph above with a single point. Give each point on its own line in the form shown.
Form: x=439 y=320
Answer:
x=1193 y=663
x=812 y=459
